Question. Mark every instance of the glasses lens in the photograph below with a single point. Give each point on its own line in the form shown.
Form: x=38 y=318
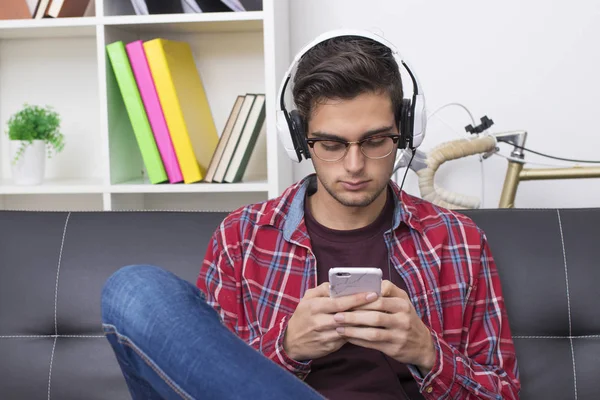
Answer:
x=378 y=147
x=329 y=150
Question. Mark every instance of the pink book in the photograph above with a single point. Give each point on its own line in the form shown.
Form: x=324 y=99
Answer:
x=156 y=117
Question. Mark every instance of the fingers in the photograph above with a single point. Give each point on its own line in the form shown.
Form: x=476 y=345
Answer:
x=386 y=304
x=325 y=322
x=320 y=291
x=333 y=337
x=388 y=289
x=375 y=319
x=345 y=303
x=367 y=336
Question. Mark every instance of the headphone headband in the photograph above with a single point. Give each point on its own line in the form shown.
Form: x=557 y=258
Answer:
x=412 y=114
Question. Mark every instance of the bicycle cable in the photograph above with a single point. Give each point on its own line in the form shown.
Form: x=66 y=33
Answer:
x=550 y=156
x=539 y=164
x=481 y=159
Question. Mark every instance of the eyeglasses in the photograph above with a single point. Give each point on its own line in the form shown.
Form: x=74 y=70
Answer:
x=373 y=147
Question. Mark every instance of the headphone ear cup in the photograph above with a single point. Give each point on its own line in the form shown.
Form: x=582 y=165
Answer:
x=405 y=124
x=299 y=132
x=419 y=121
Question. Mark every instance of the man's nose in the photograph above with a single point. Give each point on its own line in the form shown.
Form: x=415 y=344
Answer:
x=355 y=159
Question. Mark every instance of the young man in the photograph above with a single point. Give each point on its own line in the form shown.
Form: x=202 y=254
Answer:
x=261 y=324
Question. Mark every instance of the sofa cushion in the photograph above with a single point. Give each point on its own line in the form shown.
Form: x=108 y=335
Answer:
x=550 y=281
x=53 y=266
x=52 y=269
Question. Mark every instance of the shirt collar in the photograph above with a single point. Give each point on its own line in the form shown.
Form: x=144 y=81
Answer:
x=288 y=211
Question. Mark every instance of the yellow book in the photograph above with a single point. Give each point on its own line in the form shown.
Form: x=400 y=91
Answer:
x=185 y=105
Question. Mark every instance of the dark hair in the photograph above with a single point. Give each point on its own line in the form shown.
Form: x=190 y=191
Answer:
x=343 y=68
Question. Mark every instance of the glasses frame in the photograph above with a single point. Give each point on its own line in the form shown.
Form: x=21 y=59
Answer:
x=311 y=143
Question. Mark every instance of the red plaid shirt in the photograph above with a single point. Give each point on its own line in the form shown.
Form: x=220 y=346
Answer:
x=259 y=264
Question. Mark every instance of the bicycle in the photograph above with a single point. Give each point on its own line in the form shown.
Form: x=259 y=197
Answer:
x=426 y=164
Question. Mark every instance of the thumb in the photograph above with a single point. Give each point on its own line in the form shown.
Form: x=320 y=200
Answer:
x=388 y=289
x=320 y=291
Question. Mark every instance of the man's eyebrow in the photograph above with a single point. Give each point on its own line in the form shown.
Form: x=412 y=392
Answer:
x=372 y=132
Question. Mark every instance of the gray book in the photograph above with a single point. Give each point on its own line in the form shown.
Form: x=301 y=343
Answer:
x=252 y=129
x=234 y=137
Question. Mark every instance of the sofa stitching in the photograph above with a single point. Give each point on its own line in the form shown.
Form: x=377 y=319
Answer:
x=562 y=240
x=62 y=243
x=570 y=337
x=51 y=362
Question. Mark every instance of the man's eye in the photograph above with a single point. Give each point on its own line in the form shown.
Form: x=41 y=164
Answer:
x=375 y=142
x=331 y=146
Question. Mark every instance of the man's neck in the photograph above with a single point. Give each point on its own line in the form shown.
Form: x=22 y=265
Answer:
x=330 y=213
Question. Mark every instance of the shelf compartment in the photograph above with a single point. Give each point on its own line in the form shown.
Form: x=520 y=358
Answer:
x=61 y=73
x=48 y=27
x=218 y=58
x=188 y=23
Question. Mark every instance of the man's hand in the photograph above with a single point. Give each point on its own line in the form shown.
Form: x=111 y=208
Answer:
x=311 y=329
x=390 y=325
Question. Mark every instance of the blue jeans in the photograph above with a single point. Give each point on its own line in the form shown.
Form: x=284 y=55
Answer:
x=170 y=344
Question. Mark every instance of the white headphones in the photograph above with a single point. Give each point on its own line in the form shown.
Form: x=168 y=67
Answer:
x=290 y=125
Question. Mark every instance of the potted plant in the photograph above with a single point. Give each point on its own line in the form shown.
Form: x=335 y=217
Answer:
x=34 y=133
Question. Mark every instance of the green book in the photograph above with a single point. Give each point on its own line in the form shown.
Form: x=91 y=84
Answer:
x=137 y=112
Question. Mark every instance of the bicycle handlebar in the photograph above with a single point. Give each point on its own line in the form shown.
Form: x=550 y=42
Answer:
x=446 y=152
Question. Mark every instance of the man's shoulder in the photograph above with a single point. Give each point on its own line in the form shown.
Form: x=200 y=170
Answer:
x=251 y=214
x=435 y=217
x=271 y=212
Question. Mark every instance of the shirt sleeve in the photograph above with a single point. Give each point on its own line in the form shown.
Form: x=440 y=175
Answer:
x=219 y=280
x=488 y=368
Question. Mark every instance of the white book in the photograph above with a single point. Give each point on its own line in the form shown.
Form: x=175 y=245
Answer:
x=236 y=133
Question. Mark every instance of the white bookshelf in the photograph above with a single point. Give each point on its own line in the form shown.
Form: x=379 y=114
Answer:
x=63 y=63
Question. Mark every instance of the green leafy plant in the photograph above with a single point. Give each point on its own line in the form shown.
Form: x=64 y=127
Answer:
x=36 y=123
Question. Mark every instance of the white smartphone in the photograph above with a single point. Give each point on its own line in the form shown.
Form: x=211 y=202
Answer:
x=344 y=281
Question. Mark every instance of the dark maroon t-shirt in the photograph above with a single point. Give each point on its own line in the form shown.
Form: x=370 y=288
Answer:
x=355 y=372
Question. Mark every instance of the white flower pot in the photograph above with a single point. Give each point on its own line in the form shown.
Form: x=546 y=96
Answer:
x=29 y=169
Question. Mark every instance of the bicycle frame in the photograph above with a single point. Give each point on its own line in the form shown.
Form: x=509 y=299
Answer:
x=425 y=165
x=517 y=173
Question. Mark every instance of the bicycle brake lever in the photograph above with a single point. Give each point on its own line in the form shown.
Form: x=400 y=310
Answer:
x=490 y=153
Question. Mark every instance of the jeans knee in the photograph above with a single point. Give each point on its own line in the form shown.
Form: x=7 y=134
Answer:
x=124 y=292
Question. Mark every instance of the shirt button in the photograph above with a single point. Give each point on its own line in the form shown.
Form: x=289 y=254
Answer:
x=429 y=389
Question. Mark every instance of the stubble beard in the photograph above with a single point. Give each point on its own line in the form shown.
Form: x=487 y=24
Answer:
x=363 y=201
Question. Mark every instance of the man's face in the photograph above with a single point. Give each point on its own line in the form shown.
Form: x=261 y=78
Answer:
x=355 y=180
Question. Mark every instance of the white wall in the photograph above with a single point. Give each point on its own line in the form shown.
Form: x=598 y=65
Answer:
x=532 y=65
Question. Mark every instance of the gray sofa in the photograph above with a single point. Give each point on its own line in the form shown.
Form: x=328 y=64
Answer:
x=53 y=265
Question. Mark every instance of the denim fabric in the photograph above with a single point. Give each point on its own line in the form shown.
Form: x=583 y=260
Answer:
x=171 y=345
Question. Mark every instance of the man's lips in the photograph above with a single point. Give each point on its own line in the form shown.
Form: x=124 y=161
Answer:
x=354 y=185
